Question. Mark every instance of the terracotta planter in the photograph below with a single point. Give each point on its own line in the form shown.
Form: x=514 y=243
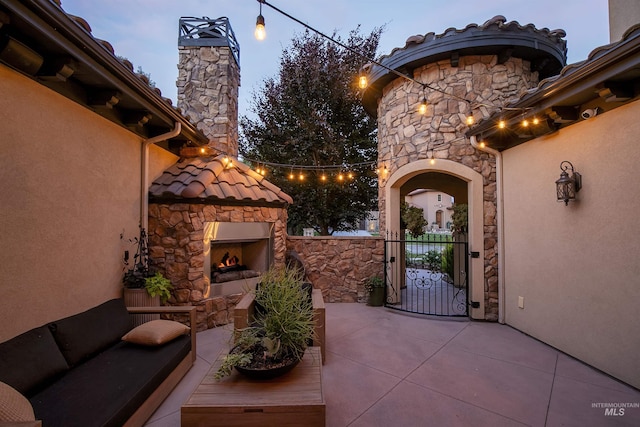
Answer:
x=141 y=298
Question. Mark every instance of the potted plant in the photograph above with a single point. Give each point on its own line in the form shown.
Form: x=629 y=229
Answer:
x=281 y=331
x=158 y=286
x=375 y=291
x=143 y=287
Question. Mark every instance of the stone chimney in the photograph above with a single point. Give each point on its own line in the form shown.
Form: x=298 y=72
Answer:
x=623 y=14
x=209 y=78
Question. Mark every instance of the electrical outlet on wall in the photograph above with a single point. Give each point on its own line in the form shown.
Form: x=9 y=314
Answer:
x=521 y=302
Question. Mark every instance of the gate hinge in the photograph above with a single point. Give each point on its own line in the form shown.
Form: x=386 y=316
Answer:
x=475 y=254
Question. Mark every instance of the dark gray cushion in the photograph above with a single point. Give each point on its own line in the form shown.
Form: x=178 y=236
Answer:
x=85 y=334
x=107 y=389
x=31 y=360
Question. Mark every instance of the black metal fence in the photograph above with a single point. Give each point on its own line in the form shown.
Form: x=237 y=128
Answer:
x=427 y=275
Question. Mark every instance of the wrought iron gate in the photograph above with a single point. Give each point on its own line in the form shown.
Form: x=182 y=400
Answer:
x=427 y=275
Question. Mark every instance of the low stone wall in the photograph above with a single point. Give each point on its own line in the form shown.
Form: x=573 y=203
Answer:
x=339 y=266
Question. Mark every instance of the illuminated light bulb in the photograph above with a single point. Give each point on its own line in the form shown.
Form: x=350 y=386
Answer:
x=225 y=160
x=377 y=171
x=350 y=175
x=432 y=161
x=291 y=176
x=230 y=164
x=385 y=171
x=536 y=121
x=202 y=150
x=323 y=177
x=482 y=144
x=525 y=123
x=502 y=124
x=260 y=33
x=470 y=120
x=422 y=108
x=340 y=177
x=362 y=82
x=301 y=177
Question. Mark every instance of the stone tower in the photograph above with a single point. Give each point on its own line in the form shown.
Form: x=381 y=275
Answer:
x=209 y=78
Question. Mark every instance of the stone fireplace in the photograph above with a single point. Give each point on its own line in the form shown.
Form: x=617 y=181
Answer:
x=200 y=209
x=209 y=208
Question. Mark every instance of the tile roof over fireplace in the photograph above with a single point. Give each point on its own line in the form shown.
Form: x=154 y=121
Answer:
x=214 y=180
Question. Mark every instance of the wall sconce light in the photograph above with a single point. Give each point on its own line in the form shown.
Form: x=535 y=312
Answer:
x=568 y=185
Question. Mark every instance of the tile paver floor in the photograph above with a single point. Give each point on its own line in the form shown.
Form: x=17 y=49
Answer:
x=385 y=368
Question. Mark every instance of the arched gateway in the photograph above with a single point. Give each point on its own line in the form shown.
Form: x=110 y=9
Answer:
x=466 y=186
x=474 y=72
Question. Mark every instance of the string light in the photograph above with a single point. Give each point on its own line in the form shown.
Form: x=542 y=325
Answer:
x=363 y=82
x=260 y=32
x=536 y=121
x=470 y=120
x=422 y=108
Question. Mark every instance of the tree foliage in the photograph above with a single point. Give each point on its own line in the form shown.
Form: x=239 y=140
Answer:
x=310 y=115
x=413 y=218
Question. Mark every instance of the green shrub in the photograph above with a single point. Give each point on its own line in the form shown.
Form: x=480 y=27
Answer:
x=433 y=260
x=447 y=260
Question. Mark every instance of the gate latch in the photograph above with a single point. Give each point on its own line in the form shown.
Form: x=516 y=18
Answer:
x=475 y=254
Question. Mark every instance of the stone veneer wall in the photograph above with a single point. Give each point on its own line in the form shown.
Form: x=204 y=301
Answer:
x=208 y=82
x=339 y=266
x=176 y=248
x=405 y=136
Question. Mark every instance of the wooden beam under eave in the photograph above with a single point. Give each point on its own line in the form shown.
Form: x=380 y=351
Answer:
x=106 y=98
x=562 y=114
x=615 y=92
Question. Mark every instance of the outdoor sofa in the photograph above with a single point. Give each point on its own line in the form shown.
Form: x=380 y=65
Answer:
x=79 y=371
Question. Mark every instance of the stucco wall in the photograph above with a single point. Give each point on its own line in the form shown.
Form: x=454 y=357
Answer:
x=577 y=266
x=70 y=187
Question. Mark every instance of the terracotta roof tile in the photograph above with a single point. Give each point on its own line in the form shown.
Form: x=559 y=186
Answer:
x=210 y=179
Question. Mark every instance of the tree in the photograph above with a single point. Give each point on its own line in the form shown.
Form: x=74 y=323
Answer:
x=310 y=116
x=413 y=218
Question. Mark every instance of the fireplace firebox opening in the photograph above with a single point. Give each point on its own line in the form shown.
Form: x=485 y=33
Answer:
x=236 y=254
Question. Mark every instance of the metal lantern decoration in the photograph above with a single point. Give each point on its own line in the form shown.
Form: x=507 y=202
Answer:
x=568 y=184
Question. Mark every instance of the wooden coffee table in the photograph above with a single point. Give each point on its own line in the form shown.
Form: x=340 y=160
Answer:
x=293 y=399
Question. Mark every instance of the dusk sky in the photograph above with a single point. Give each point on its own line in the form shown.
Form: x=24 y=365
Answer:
x=146 y=31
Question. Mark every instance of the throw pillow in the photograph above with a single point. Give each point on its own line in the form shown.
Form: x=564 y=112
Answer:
x=13 y=405
x=156 y=332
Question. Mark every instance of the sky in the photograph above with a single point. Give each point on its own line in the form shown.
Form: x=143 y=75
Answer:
x=146 y=31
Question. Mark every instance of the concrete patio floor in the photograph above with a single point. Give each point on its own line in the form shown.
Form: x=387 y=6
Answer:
x=385 y=368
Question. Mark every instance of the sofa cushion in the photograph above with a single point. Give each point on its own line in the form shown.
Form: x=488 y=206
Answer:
x=108 y=388
x=30 y=360
x=156 y=332
x=13 y=405
x=87 y=333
